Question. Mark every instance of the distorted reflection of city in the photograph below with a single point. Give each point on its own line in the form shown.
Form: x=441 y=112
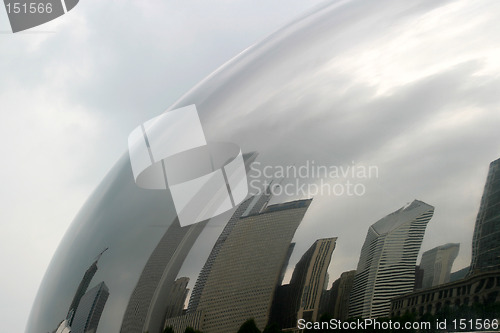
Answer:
x=243 y=276
x=387 y=85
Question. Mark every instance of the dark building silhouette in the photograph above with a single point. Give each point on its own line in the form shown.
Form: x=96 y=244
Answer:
x=486 y=239
x=460 y=274
x=177 y=298
x=150 y=300
x=478 y=284
x=336 y=300
x=281 y=302
x=82 y=288
x=282 y=309
x=309 y=278
x=89 y=311
x=478 y=289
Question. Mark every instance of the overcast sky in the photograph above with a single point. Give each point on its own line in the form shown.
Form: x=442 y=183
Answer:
x=71 y=91
x=409 y=87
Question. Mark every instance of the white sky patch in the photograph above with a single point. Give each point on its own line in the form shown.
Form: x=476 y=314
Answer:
x=455 y=120
x=46 y=143
x=435 y=37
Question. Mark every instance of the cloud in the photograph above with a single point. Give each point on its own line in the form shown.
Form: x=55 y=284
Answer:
x=406 y=94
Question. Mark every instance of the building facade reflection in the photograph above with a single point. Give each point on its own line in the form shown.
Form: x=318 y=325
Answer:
x=386 y=267
x=436 y=264
x=149 y=301
x=244 y=272
x=90 y=309
x=87 y=306
x=486 y=239
x=336 y=300
x=300 y=299
x=250 y=206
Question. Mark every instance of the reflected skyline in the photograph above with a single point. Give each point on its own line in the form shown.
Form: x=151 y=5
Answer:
x=301 y=298
x=89 y=313
x=313 y=92
x=245 y=266
x=486 y=239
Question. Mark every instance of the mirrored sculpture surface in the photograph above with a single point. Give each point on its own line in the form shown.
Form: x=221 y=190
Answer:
x=342 y=117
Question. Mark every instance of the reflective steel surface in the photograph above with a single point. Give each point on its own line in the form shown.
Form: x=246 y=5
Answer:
x=360 y=106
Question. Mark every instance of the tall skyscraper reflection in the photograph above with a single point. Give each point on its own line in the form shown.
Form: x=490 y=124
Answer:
x=82 y=287
x=148 y=304
x=486 y=239
x=151 y=301
x=336 y=300
x=90 y=309
x=301 y=298
x=247 y=266
x=386 y=266
x=87 y=306
x=436 y=264
x=309 y=279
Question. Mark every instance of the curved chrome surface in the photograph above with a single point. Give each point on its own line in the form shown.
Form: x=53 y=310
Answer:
x=408 y=89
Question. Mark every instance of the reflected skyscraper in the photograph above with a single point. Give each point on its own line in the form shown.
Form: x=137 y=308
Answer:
x=486 y=239
x=82 y=288
x=437 y=263
x=251 y=206
x=89 y=311
x=148 y=304
x=302 y=297
x=246 y=270
x=386 y=266
x=309 y=279
x=151 y=299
